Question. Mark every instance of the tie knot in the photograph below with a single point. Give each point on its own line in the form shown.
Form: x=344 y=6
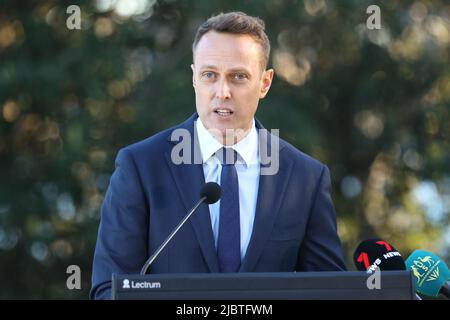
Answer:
x=227 y=156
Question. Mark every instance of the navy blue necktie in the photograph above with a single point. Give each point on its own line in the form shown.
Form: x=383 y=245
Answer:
x=229 y=239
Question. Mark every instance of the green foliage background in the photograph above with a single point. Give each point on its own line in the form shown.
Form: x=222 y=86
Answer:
x=371 y=104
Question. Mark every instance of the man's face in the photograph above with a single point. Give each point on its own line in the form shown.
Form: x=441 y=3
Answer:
x=228 y=81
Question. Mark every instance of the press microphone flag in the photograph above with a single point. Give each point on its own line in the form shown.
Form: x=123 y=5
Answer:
x=431 y=274
x=377 y=253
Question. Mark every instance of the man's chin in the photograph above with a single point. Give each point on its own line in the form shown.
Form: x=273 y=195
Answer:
x=221 y=133
x=219 y=126
x=228 y=136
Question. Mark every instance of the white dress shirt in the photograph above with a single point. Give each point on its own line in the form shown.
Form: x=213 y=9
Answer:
x=248 y=169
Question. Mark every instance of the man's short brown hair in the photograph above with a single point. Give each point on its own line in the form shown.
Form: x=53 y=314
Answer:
x=236 y=23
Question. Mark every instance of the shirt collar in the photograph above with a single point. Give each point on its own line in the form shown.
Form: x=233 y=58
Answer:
x=247 y=148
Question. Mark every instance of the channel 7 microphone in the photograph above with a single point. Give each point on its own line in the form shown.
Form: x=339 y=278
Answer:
x=210 y=194
x=431 y=274
x=375 y=252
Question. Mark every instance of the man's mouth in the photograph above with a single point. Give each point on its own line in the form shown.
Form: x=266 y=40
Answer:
x=223 y=112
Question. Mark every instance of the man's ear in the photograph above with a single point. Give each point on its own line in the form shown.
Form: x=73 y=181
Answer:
x=266 y=80
x=193 y=75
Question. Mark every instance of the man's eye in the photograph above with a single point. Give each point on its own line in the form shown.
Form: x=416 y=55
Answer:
x=208 y=75
x=240 y=76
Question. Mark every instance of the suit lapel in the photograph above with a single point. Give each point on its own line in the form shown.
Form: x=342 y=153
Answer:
x=189 y=179
x=270 y=196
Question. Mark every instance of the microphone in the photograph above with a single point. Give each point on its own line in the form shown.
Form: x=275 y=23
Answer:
x=431 y=274
x=375 y=252
x=210 y=194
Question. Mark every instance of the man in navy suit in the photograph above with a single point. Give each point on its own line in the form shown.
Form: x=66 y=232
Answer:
x=272 y=217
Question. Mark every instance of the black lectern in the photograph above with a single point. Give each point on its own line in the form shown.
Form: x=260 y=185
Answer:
x=397 y=285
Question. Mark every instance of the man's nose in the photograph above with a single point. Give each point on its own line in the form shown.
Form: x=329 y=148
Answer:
x=223 y=90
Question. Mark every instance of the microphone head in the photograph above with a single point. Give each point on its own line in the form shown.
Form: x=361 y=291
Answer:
x=211 y=191
x=373 y=253
x=430 y=272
